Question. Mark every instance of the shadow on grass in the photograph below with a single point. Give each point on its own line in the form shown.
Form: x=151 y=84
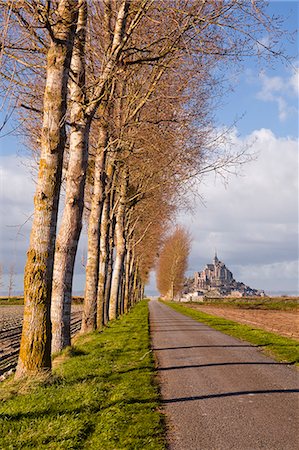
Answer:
x=54 y=413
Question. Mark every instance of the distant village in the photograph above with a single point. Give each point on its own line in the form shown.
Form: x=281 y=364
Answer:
x=215 y=280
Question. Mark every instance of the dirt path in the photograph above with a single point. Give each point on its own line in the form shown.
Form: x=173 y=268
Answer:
x=10 y=333
x=285 y=323
x=219 y=393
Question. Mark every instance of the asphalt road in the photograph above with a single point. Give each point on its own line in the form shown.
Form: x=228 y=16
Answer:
x=220 y=393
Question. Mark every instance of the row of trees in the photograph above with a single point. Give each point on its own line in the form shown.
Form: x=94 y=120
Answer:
x=115 y=99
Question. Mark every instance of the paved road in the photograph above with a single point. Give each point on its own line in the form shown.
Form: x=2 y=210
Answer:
x=220 y=393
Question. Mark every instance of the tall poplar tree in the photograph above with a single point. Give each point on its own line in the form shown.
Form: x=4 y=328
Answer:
x=173 y=262
x=35 y=349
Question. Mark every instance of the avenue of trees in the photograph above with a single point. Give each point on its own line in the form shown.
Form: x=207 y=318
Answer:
x=115 y=99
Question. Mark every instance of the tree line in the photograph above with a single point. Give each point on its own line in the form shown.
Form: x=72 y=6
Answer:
x=115 y=99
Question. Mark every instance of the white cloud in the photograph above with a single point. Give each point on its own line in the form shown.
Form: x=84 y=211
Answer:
x=16 y=207
x=17 y=189
x=253 y=221
x=294 y=81
x=280 y=90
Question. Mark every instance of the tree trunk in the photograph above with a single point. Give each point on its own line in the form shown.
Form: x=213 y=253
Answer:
x=35 y=349
x=109 y=272
x=104 y=250
x=89 y=317
x=172 y=290
x=135 y=284
x=71 y=222
x=127 y=279
x=120 y=250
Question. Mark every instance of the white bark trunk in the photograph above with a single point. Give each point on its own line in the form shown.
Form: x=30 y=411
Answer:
x=35 y=350
x=106 y=228
x=127 y=280
x=71 y=223
x=120 y=250
x=110 y=264
x=89 y=317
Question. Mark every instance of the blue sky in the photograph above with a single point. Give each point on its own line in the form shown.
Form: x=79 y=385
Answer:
x=251 y=219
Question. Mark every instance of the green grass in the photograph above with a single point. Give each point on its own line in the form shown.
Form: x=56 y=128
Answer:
x=9 y=301
x=281 y=348
x=19 y=300
x=102 y=395
x=273 y=303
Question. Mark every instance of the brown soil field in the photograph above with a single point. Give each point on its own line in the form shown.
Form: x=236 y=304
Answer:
x=285 y=323
x=11 y=318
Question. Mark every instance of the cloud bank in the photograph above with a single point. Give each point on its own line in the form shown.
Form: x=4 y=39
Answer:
x=253 y=221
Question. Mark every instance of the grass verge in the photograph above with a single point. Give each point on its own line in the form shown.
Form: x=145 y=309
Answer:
x=265 y=303
x=281 y=348
x=102 y=395
x=11 y=301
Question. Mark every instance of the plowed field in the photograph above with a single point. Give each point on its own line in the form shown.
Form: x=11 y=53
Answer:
x=285 y=323
x=10 y=333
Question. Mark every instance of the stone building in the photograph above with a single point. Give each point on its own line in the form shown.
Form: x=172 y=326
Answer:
x=218 y=279
x=214 y=275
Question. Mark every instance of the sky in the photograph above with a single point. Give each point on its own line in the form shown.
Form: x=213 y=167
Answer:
x=250 y=219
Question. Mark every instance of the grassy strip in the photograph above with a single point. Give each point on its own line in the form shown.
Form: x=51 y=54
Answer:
x=279 y=347
x=101 y=397
x=10 y=301
x=278 y=304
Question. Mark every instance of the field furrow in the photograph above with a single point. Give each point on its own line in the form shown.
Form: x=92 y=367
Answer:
x=10 y=334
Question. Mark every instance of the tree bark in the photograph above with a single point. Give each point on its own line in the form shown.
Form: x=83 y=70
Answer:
x=71 y=222
x=110 y=263
x=35 y=349
x=135 y=284
x=104 y=250
x=89 y=317
x=120 y=249
x=127 y=279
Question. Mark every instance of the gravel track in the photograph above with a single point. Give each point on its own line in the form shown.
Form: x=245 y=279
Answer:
x=11 y=318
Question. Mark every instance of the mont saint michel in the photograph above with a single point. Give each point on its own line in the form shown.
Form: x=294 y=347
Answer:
x=217 y=280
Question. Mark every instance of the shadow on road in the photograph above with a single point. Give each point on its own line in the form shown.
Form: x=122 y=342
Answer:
x=201 y=346
x=200 y=366
x=229 y=394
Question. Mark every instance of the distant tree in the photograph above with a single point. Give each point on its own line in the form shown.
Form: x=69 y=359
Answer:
x=1 y=276
x=172 y=263
x=11 y=280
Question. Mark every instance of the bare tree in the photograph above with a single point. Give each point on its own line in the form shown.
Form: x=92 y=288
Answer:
x=1 y=277
x=35 y=350
x=89 y=317
x=11 y=280
x=71 y=223
x=172 y=263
